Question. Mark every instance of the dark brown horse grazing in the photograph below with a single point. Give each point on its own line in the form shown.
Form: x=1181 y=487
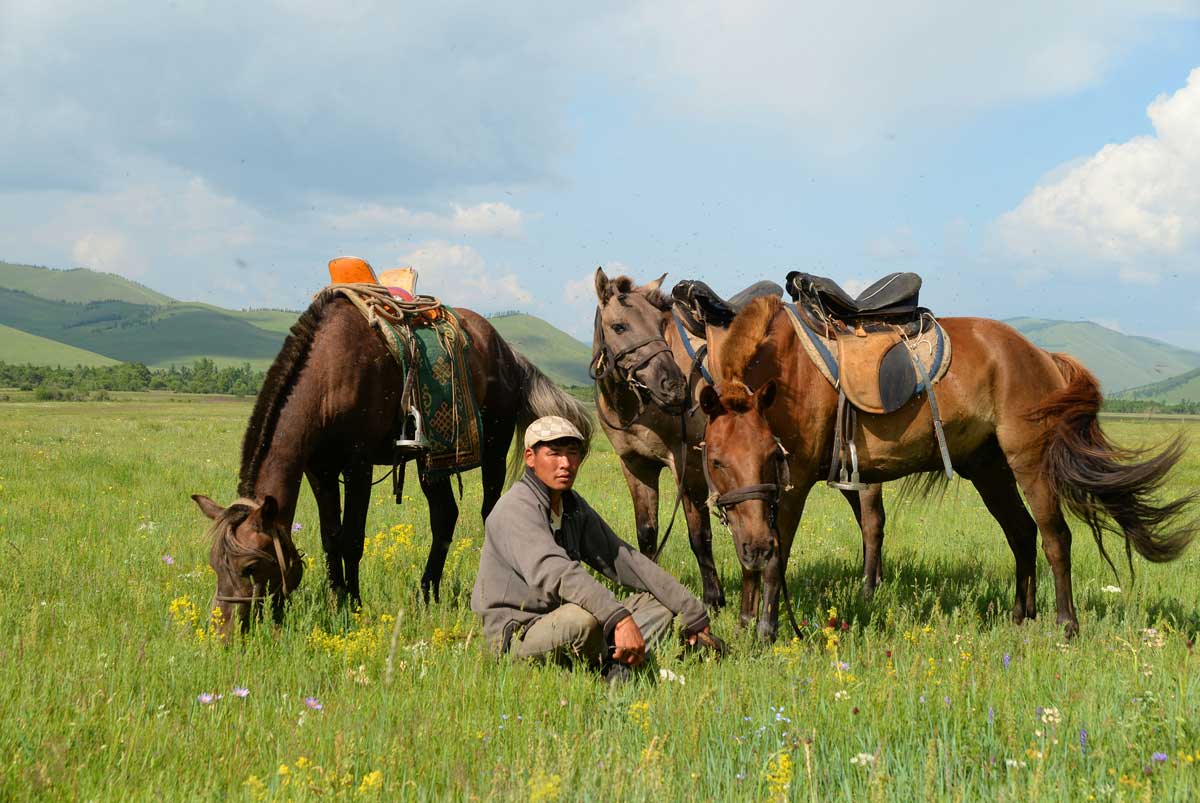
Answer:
x=640 y=401
x=1015 y=417
x=329 y=406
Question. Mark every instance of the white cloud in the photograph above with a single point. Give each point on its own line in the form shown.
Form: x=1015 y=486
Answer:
x=841 y=75
x=1132 y=208
x=460 y=275
x=495 y=218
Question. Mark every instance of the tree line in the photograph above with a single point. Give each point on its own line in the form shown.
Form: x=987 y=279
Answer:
x=202 y=376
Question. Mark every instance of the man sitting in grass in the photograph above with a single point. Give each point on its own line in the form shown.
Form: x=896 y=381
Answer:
x=538 y=602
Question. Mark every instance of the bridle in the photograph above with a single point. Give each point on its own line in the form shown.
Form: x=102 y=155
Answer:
x=624 y=364
x=769 y=492
x=260 y=589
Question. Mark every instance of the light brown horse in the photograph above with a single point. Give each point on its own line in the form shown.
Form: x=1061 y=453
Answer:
x=330 y=405
x=645 y=403
x=1015 y=417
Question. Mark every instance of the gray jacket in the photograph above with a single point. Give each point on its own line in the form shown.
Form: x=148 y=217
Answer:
x=526 y=570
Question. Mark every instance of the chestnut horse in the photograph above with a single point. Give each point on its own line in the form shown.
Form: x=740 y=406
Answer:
x=640 y=398
x=329 y=406
x=1017 y=420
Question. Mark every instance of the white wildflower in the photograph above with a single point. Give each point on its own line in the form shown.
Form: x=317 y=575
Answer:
x=863 y=759
x=1111 y=589
x=669 y=676
x=1051 y=716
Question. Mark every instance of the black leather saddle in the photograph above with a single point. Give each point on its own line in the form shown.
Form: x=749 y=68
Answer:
x=893 y=296
x=698 y=305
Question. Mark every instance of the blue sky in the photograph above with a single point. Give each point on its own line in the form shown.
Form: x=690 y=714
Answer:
x=1039 y=159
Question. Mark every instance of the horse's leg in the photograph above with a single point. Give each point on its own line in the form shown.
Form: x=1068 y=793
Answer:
x=700 y=534
x=324 y=484
x=867 y=505
x=996 y=484
x=495 y=453
x=354 y=525
x=641 y=476
x=1056 y=541
x=443 y=515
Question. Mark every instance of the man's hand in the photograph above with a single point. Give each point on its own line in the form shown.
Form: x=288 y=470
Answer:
x=704 y=639
x=630 y=647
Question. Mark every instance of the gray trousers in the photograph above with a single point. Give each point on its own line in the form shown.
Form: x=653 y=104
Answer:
x=570 y=633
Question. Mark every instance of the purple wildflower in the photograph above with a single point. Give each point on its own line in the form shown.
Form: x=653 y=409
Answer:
x=922 y=698
x=1159 y=757
x=240 y=691
x=991 y=716
x=1083 y=739
x=313 y=703
x=1039 y=711
x=167 y=559
x=204 y=698
x=946 y=700
x=1007 y=660
x=297 y=527
x=843 y=666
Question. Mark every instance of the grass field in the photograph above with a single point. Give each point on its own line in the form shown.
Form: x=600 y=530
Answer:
x=111 y=688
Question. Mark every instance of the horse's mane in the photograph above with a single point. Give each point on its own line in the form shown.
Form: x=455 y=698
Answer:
x=623 y=284
x=745 y=335
x=280 y=379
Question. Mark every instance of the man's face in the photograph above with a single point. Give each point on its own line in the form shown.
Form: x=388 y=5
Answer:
x=555 y=463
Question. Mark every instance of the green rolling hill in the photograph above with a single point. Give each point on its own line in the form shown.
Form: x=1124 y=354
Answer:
x=56 y=317
x=1176 y=390
x=1118 y=360
x=78 y=285
x=20 y=348
x=563 y=358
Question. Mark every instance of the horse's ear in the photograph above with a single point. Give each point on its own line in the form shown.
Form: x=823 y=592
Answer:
x=602 y=291
x=208 y=507
x=653 y=286
x=766 y=395
x=710 y=402
x=268 y=510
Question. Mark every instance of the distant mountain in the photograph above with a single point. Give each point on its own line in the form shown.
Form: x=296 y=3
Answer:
x=79 y=285
x=1118 y=360
x=1177 y=389
x=70 y=317
x=562 y=357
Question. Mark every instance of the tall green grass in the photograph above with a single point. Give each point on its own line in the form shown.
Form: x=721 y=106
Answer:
x=928 y=693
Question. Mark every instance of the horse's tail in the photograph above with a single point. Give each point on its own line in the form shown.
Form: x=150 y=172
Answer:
x=1107 y=486
x=539 y=396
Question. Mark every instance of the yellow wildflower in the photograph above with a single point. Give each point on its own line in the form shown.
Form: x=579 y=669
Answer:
x=544 y=787
x=371 y=782
x=779 y=775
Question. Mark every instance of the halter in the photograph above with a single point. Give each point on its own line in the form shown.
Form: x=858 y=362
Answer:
x=259 y=588
x=625 y=364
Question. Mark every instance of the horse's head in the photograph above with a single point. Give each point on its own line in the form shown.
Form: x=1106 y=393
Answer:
x=629 y=338
x=253 y=557
x=746 y=467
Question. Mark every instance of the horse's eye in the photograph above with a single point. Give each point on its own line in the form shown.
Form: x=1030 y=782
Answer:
x=718 y=463
x=618 y=327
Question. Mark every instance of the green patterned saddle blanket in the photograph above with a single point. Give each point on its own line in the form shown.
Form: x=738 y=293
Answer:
x=441 y=388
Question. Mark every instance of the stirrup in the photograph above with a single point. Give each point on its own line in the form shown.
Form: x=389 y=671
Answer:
x=412 y=435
